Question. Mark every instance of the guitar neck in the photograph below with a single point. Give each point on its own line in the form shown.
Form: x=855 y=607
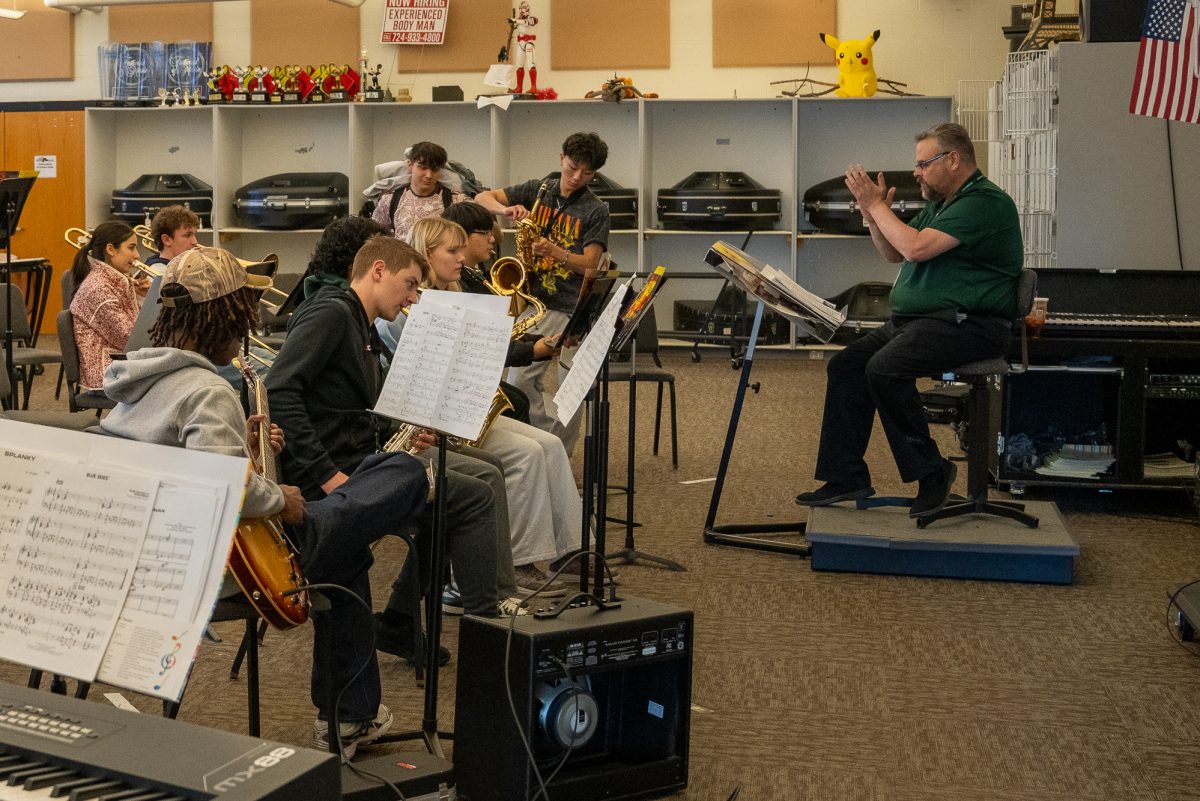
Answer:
x=257 y=393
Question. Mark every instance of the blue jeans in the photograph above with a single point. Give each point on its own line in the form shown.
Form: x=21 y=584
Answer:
x=383 y=494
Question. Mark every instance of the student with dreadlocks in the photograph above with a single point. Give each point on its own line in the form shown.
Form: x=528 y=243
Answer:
x=171 y=394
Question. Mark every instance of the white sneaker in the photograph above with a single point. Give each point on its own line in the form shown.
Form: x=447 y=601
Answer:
x=511 y=607
x=354 y=734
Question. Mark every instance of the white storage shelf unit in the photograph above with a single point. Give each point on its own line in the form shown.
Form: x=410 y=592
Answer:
x=783 y=143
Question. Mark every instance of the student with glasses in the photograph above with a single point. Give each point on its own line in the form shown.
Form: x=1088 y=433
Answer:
x=953 y=303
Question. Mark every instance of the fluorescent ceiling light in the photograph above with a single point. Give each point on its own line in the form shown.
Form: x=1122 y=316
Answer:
x=11 y=13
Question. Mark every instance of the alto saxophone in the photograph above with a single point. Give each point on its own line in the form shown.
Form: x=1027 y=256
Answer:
x=405 y=441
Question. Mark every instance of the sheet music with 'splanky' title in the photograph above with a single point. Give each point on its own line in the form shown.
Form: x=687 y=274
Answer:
x=72 y=536
x=176 y=572
x=448 y=362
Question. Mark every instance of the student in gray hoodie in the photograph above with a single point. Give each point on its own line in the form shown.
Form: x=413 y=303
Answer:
x=171 y=394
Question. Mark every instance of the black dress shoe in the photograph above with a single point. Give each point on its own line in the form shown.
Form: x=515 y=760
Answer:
x=397 y=639
x=933 y=490
x=831 y=492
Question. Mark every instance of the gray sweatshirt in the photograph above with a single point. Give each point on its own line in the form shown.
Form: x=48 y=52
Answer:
x=175 y=397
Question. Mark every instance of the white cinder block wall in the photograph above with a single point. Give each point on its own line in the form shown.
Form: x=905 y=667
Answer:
x=928 y=44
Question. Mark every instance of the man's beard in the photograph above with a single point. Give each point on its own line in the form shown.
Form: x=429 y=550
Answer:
x=930 y=194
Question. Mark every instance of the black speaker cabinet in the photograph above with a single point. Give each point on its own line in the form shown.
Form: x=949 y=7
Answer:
x=604 y=694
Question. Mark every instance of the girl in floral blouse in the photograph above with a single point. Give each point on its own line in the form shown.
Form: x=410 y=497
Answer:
x=107 y=298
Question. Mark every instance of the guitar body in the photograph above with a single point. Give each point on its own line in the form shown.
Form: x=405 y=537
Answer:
x=263 y=561
x=264 y=566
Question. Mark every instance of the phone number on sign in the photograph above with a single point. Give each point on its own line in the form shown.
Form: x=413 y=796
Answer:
x=414 y=38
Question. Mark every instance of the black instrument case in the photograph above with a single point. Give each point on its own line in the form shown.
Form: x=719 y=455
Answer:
x=830 y=206
x=719 y=201
x=293 y=200
x=142 y=199
x=622 y=202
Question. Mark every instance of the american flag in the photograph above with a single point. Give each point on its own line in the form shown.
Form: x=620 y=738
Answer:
x=1167 y=82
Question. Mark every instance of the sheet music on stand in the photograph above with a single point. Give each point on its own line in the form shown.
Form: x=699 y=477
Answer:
x=817 y=316
x=589 y=358
x=110 y=571
x=448 y=362
x=635 y=310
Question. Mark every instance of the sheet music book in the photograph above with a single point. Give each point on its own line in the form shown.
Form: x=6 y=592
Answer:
x=815 y=315
x=635 y=310
x=589 y=358
x=448 y=362
x=589 y=303
x=112 y=553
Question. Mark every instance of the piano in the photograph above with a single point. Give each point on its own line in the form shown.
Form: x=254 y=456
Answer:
x=1138 y=304
x=1130 y=338
x=57 y=747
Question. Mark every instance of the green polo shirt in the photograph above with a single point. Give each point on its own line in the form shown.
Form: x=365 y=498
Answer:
x=979 y=275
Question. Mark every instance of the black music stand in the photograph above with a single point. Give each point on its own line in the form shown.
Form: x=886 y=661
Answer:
x=14 y=191
x=595 y=451
x=747 y=275
x=629 y=554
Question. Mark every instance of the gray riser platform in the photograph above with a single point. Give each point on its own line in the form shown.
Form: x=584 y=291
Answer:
x=886 y=540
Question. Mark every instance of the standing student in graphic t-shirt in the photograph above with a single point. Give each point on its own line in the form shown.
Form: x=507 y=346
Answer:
x=573 y=223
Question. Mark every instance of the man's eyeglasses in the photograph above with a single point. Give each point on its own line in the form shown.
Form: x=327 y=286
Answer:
x=923 y=164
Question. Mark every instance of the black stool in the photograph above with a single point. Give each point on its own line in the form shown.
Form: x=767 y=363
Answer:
x=985 y=378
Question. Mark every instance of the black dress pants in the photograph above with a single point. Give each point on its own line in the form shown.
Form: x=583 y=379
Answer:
x=878 y=373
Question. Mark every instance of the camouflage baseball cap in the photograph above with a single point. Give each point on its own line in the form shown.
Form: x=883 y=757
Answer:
x=207 y=274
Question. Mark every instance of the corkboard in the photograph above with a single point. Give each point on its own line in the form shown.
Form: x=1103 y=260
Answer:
x=38 y=47
x=475 y=31
x=773 y=33
x=161 y=22
x=303 y=32
x=618 y=44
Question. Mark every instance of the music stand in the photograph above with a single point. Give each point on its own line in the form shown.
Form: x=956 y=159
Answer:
x=428 y=733
x=817 y=317
x=14 y=191
x=477 y=323
x=633 y=317
x=591 y=365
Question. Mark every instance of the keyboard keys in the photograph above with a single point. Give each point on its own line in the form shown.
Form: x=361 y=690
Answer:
x=95 y=790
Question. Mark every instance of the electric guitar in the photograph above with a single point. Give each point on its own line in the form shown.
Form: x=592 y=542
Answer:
x=263 y=559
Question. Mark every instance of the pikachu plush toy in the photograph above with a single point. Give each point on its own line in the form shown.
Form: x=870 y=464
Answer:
x=856 y=66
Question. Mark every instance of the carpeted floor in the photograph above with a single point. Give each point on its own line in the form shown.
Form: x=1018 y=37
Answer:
x=840 y=686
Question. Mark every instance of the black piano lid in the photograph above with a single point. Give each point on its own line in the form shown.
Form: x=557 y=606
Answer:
x=1168 y=293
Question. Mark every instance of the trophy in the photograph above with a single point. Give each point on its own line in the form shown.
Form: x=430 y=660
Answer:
x=241 y=91
x=258 y=85
x=317 y=78
x=187 y=69
x=292 y=90
x=109 y=54
x=374 y=94
x=335 y=90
